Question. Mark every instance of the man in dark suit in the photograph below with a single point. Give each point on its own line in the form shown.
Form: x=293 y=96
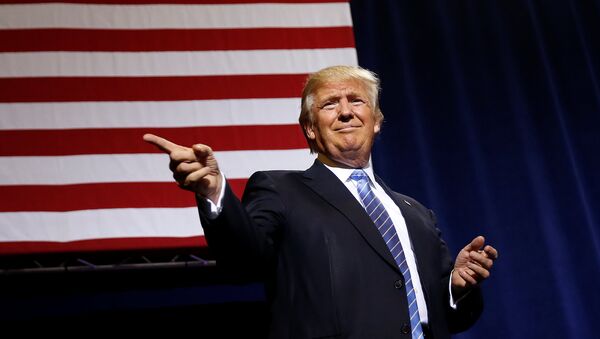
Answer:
x=342 y=255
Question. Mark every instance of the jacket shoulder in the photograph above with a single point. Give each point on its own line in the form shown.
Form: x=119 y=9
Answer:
x=275 y=176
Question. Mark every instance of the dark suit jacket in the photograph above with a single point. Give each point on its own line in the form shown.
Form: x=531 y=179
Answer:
x=327 y=269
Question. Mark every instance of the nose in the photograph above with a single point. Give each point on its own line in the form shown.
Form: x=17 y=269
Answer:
x=345 y=112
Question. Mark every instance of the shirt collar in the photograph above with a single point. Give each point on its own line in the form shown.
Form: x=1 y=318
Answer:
x=344 y=173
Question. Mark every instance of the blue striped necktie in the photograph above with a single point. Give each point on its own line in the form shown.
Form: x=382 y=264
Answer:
x=381 y=218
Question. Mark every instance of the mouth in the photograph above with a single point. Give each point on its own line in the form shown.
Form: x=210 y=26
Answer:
x=346 y=128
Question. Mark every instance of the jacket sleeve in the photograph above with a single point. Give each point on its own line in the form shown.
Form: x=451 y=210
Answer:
x=245 y=234
x=470 y=307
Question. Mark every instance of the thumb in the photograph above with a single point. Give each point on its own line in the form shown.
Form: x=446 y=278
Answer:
x=204 y=154
x=202 y=151
x=476 y=244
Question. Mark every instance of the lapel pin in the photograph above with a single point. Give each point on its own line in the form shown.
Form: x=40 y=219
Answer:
x=408 y=203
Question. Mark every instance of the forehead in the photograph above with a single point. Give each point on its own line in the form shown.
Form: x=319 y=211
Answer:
x=341 y=87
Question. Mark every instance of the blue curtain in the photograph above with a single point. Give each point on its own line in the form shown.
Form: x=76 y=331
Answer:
x=492 y=115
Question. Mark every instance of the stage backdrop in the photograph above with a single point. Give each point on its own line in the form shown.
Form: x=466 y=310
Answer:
x=81 y=82
x=493 y=120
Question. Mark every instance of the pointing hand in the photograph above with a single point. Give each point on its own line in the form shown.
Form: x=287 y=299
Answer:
x=194 y=169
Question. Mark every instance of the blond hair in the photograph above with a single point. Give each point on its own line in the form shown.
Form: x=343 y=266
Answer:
x=337 y=74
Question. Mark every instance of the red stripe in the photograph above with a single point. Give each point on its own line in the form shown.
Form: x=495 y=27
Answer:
x=129 y=140
x=174 y=39
x=150 y=88
x=63 y=198
x=143 y=2
x=116 y=244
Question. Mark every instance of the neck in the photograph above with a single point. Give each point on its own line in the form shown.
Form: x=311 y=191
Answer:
x=344 y=163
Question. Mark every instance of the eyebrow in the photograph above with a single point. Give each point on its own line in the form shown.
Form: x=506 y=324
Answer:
x=352 y=94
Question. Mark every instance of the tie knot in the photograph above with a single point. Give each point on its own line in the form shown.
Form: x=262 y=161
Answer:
x=358 y=175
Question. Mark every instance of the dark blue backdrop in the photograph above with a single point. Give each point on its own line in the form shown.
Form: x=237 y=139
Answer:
x=492 y=120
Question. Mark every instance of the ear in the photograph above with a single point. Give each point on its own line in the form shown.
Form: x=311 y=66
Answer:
x=377 y=127
x=378 y=121
x=310 y=132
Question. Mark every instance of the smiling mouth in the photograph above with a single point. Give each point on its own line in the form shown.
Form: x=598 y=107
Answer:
x=347 y=128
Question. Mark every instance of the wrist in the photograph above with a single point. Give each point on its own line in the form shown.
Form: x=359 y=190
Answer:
x=458 y=286
x=217 y=193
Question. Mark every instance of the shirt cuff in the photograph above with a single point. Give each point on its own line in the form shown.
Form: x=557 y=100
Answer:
x=454 y=303
x=209 y=208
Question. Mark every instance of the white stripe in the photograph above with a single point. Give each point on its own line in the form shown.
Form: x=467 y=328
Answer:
x=389 y=228
x=100 y=224
x=362 y=189
x=385 y=221
x=59 y=15
x=57 y=170
x=65 y=115
x=398 y=243
x=411 y=318
x=413 y=331
x=51 y=64
x=406 y=270
x=370 y=202
x=390 y=239
x=380 y=214
x=412 y=303
x=403 y=261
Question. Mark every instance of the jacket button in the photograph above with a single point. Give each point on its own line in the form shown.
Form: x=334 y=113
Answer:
x=405 y=329
x=398 y=284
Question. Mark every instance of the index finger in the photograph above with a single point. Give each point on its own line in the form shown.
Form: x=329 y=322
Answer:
x=491 y=252
x=161 y=143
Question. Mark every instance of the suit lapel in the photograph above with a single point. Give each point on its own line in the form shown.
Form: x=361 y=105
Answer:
x=324 y=183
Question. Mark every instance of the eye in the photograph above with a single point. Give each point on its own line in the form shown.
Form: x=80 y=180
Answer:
x=329 y=105
x=358 y=102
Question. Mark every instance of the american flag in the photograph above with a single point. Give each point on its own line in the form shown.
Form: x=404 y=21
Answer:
x=82 y=81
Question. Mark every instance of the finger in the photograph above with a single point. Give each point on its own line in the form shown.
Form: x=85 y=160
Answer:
x=161 y=143
x=481 y=259
x=188 y=167
x=467 y=277
x=469 y=271
x=475 y=244
x=478 y=270
x=196 y=176
x=491 y=252
x=183 y=169
x=183 y=154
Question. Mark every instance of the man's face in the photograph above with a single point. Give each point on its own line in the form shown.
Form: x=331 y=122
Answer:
x=344 y=124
